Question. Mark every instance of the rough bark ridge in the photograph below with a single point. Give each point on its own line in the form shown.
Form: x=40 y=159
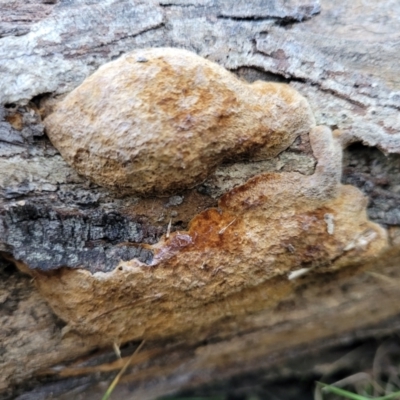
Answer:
x=341 y=59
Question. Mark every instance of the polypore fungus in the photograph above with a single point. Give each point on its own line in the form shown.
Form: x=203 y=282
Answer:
x=160 y=120
x=233 y=259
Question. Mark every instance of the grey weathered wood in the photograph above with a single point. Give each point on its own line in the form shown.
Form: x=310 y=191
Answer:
x=341 y=56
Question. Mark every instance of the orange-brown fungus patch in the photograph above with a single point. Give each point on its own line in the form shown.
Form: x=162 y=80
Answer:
x=235 y=259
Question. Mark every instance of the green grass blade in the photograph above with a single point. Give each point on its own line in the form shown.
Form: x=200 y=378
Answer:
x=341 y=392
x=391 y=396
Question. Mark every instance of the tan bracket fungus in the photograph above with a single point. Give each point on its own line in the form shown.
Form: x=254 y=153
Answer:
x=160 y=120
x=233 y=259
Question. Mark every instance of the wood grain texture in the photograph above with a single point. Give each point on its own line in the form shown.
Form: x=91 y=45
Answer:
x=341 y=56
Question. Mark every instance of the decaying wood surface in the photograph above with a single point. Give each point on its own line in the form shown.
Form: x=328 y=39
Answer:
x=341 y=56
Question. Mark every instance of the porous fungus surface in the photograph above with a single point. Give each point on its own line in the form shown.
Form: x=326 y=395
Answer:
x=236 y=258
x=160 y=120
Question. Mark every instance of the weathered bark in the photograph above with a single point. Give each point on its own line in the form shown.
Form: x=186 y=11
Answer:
x=341 y=56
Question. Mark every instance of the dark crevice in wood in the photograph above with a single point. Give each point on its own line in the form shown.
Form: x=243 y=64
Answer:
x=378 y=176
x=49 y=238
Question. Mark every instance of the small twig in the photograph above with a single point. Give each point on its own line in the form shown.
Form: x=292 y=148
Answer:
x=168 y=228
x=226 y=227
x=135 y=302
x=120 y=373
x=384 y=278
x=298 y=273
x=116 y=349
